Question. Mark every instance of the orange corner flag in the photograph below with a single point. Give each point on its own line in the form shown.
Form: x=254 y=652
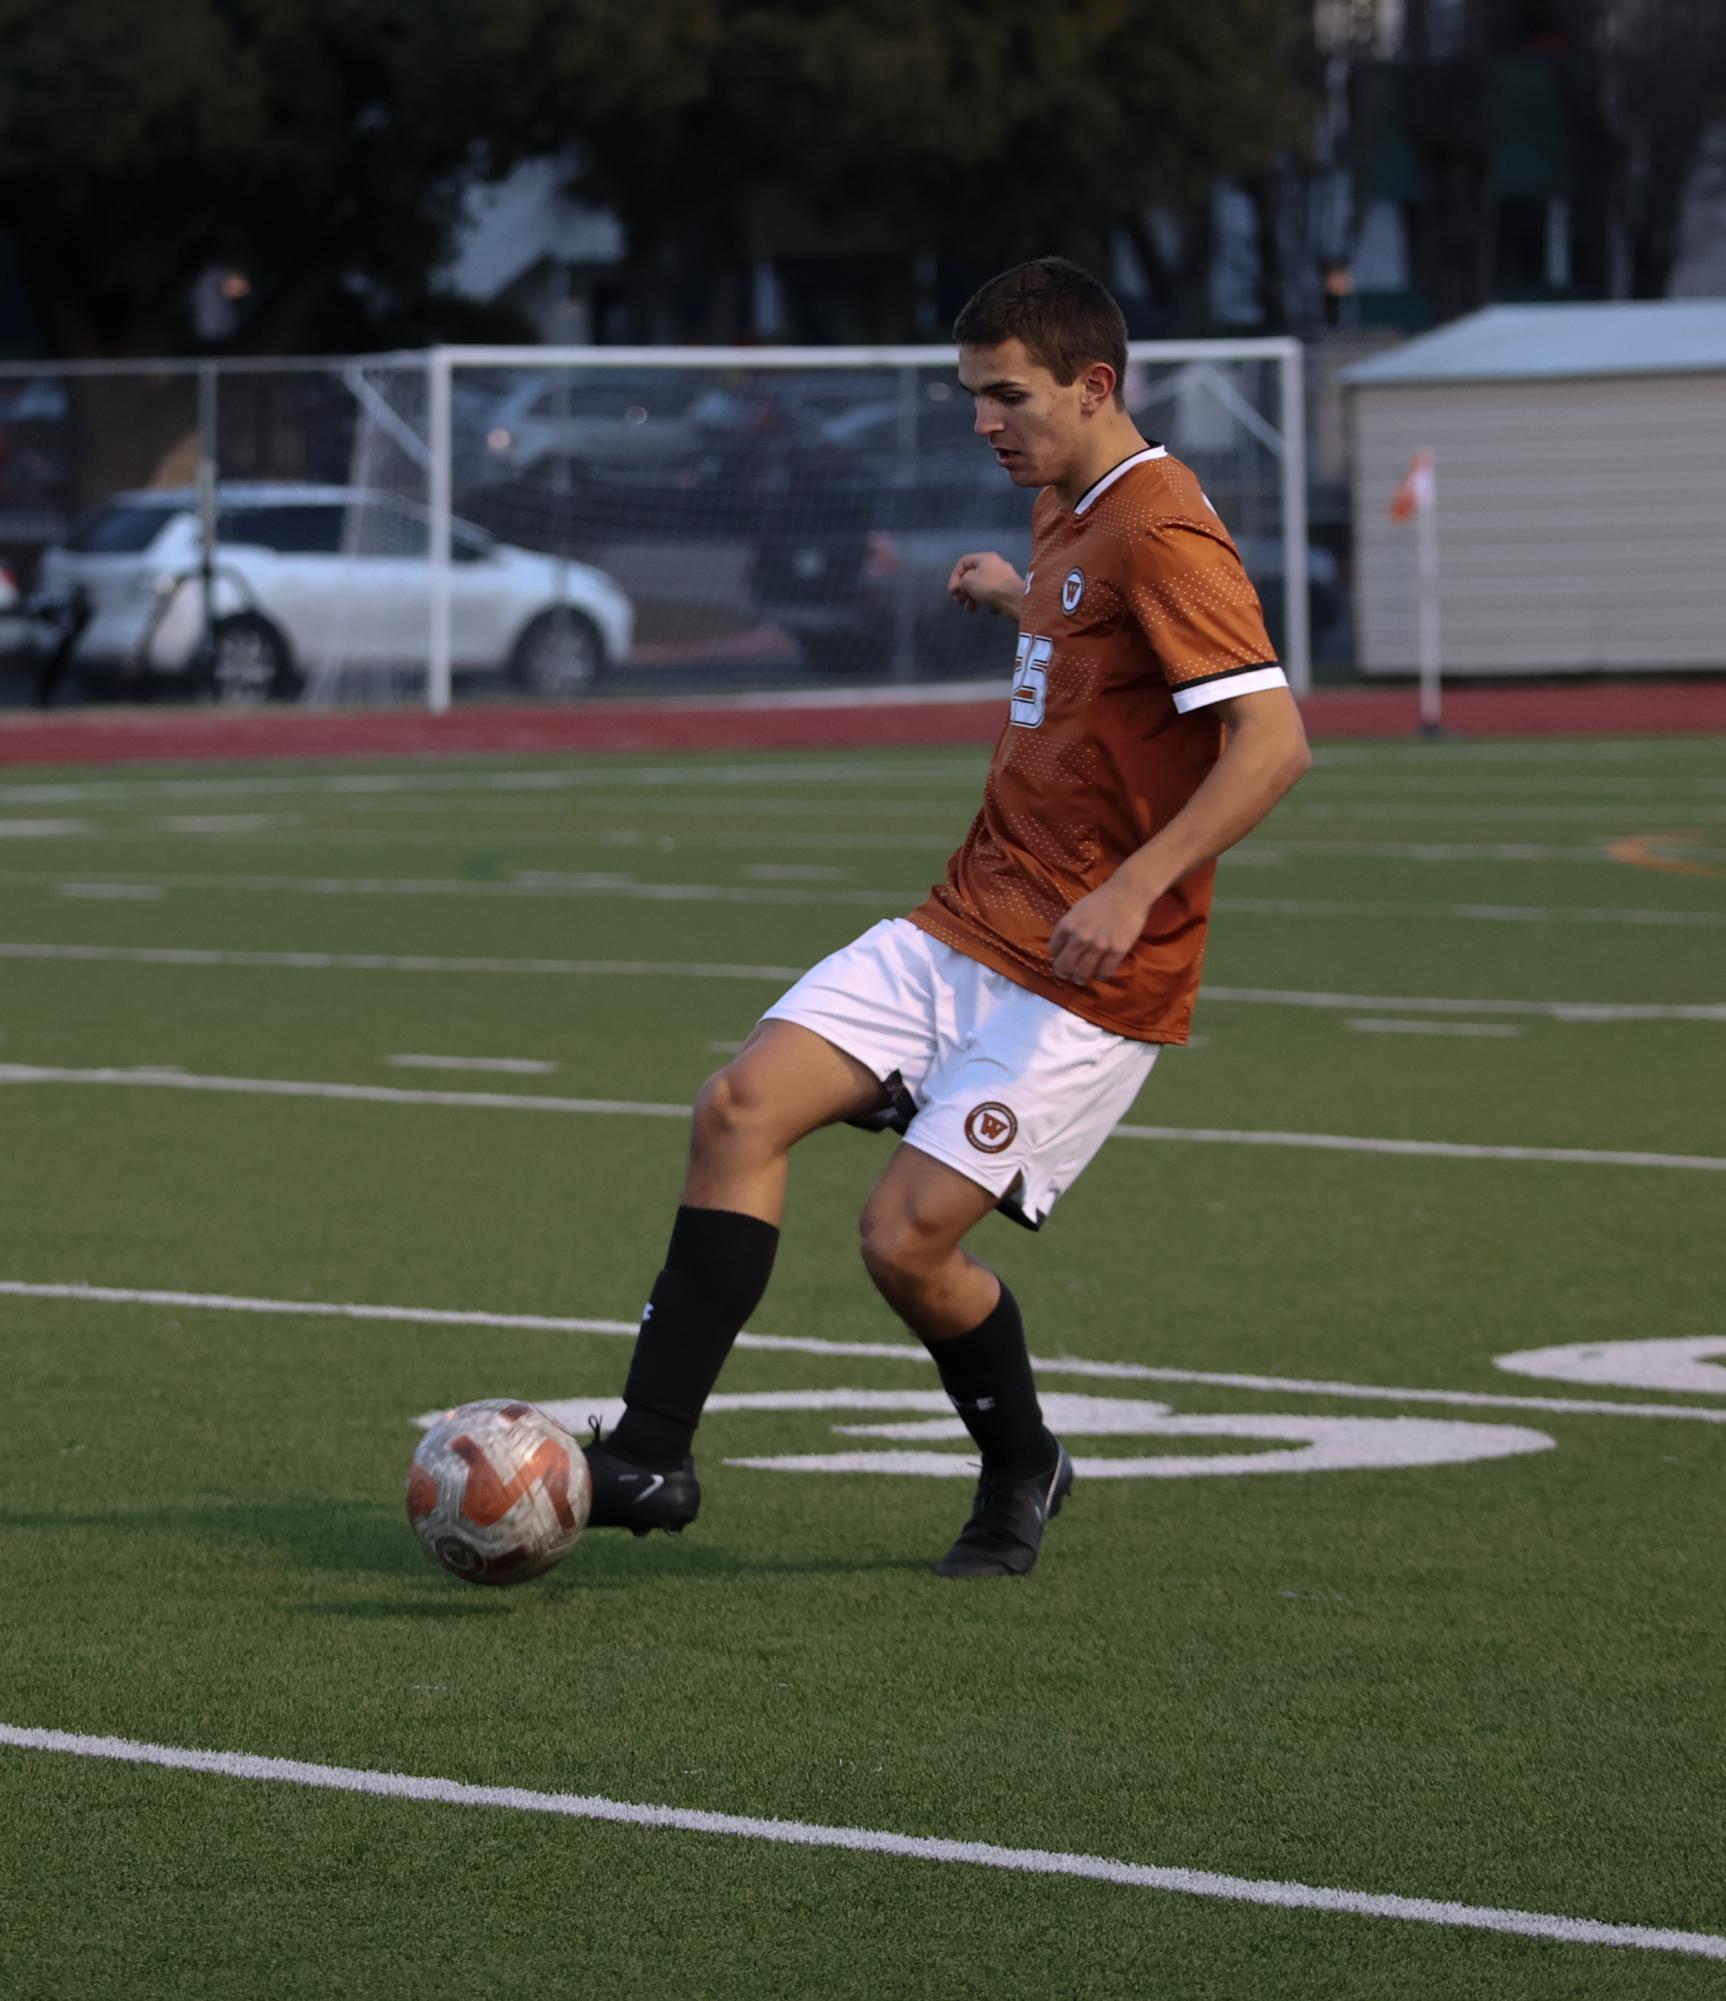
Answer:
x=1418 y=489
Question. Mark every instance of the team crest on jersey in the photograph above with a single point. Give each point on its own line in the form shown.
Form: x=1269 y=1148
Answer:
x=991 y=1128
x=1072 y=589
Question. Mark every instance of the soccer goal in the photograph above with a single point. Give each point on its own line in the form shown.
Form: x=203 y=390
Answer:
x=448 y=523
x=796 y=511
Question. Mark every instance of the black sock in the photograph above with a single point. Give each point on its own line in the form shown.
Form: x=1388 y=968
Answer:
x=987 y=1373
x=715 y=1273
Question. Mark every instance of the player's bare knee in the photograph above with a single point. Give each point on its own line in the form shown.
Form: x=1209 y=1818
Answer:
x=730 y=1116
x=900 y=1248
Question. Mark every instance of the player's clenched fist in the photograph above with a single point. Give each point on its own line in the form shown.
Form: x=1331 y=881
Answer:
x=1097 y=933
x=987 y=580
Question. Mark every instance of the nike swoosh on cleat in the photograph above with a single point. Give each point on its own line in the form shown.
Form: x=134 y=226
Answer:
x=654 y=1482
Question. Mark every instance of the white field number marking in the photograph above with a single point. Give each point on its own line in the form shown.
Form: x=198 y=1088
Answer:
x=1636 y=1365
x=1297 y=1444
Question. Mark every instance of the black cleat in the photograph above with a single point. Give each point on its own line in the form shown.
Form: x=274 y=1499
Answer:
x=1008 y=1517
x=638 y=1498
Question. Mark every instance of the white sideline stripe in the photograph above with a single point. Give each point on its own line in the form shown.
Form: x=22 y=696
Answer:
x=1491 y=913
x=386 y=962
x=839 y=769
x=1441 y=811
x=887 y=1351
x=411 y=962
x=1581 y=750
x=522 y=1101
x=1456 y=851
x=540 y=883
x=1368 y=1026
x=513 y=1066
x=1435 y=1149
x=381 y=1094
x=113 y=892
x=501 y=778
x=1411 y=1004
x=871 y=1841
x=548 y=882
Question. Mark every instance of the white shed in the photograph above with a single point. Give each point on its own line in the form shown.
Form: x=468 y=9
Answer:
x=1581 y=490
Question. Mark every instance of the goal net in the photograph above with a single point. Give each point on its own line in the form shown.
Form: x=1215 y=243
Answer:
x=791 y=516
x=464 y=522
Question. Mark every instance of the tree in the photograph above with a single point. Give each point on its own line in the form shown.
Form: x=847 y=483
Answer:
x=143 y=141
x=323 y=148
x=976 y=130
x=1641 y=85
x=1646 y=81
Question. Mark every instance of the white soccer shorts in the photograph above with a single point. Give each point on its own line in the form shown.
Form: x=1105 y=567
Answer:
x=1012 y=1091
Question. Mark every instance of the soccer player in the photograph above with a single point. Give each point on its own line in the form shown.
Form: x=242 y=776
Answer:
x=1007 y=1023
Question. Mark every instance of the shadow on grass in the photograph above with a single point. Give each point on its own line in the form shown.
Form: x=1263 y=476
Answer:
x=368 y=1538
x=352 y=1536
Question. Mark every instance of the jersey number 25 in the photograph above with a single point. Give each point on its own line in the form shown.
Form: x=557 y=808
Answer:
x=1031 y=680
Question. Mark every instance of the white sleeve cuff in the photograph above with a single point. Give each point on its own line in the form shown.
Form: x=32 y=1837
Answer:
x=1222 y=687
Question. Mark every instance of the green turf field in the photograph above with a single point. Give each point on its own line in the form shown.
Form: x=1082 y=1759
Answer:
x=1283 y=1655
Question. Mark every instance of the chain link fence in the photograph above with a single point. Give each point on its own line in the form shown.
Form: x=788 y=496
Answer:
x=555 y=522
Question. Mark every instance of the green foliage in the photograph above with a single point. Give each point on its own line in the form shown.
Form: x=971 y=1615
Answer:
x=985 y=127
x=142 y=141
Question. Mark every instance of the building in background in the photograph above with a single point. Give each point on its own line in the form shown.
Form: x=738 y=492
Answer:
x=1581 y=490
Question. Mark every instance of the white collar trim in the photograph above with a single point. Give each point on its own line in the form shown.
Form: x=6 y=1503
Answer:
x=1126 y=465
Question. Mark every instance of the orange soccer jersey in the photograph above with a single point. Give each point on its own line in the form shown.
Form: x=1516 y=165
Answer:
x=1137 y=618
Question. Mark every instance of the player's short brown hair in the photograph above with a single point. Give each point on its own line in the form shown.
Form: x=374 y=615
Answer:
x=1064 y=316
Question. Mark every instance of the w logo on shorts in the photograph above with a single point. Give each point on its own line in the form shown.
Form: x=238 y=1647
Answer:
x=991 y=1128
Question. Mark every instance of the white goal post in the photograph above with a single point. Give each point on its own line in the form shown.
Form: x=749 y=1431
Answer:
x=802 y=500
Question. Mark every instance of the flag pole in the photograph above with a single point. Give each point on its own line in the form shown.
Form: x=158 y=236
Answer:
x=1426 y=529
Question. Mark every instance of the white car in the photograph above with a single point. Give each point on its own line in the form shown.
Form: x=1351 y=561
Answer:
x=309 y=580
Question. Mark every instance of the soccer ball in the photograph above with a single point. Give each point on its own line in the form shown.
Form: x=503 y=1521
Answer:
x=498 y=1492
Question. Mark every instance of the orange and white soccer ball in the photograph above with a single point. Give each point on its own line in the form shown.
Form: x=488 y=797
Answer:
x=498 y=1492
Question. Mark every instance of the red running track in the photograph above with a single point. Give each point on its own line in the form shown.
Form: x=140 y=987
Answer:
x=126 y=736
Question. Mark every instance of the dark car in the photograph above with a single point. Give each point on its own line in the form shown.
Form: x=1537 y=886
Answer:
x=854 y=563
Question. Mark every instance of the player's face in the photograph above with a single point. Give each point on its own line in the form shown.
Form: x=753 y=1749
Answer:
x=1030 y=421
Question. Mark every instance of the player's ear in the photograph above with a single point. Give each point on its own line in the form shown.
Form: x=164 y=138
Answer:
x=1096 y=388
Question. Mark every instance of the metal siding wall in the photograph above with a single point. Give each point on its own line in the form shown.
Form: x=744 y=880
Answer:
x=1582 y=524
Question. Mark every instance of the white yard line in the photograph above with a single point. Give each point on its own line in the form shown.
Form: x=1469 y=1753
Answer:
x=1577 y=750
x=397 y=962
x=1667 y=786
x=112 y=892
x=870 y=1841
x=1446 y=1004
x=612 y=883
x=882 y=1351
x=512 y=1066
x=1368 y=1026
x=1398 y=809
x=374 y=1094
x=227 y=823
x=612 y=777
x=1424 y=1149
x=24 y=1074
x=1487 y=913
x=210 y=956
x=536 y=884
x=1456 y=851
